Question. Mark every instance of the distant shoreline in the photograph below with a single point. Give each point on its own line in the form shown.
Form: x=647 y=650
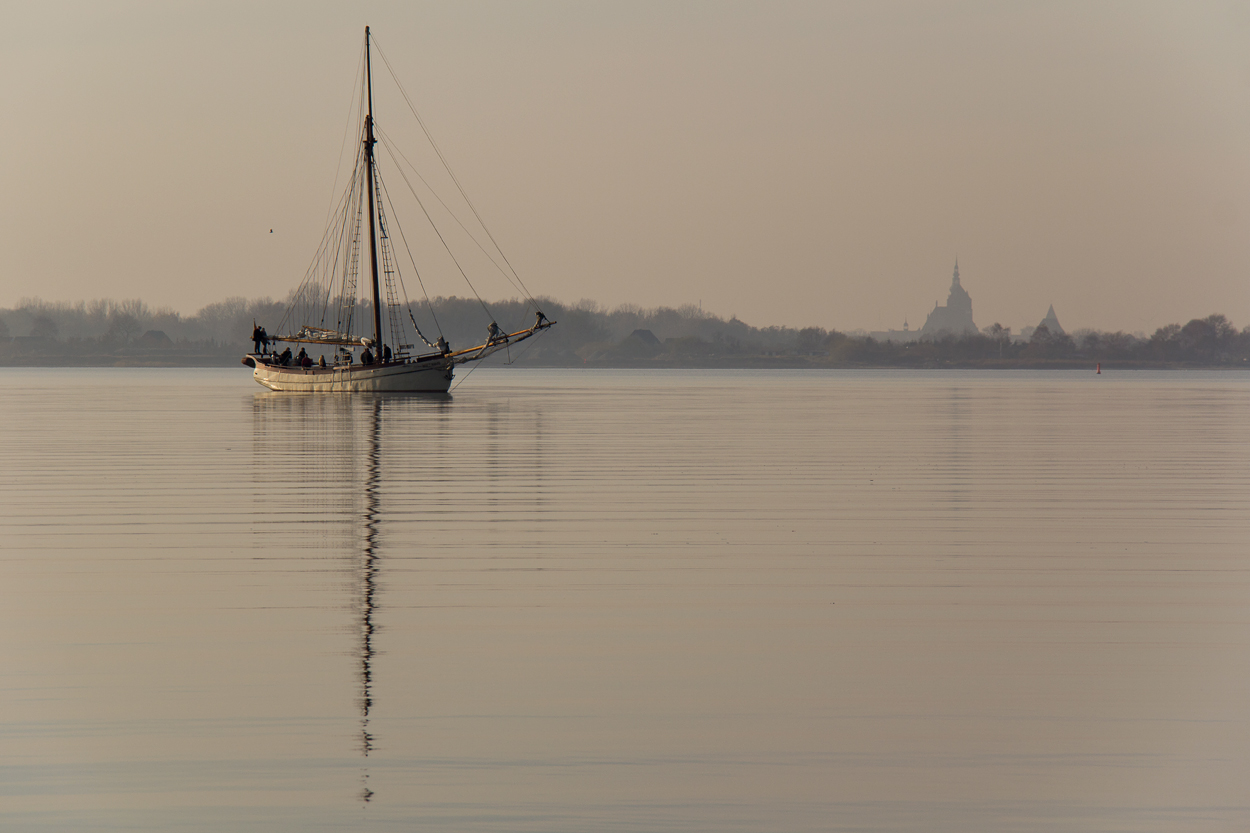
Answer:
x=129 y=334
x=726 y=363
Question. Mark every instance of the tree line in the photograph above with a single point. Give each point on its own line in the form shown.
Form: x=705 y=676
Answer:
x=1210 y=341
x=589 y=334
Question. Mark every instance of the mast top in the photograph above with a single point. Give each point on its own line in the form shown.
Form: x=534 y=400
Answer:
x=368 y=74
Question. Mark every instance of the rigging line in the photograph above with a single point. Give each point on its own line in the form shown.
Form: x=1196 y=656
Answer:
x=342 y=243
x=430 y=220
x=390 y=267
x=326 y=237
x=330 y=249
x=393 y=149
x=322 y=249
x=465 y=376
x=415 y=271
x=351 y=263
x=450 y=173
x=338 y=167
x=330 y=262
x=521 y=355
x=331 y=267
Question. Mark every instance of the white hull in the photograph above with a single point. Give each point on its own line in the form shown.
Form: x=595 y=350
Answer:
x=422 y=377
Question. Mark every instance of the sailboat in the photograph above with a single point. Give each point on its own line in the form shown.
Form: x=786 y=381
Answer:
x=326 y=316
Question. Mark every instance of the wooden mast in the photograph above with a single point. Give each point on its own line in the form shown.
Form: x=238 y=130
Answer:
x=373 y=237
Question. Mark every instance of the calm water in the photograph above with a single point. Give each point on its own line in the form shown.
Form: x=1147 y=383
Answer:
x=573 y=601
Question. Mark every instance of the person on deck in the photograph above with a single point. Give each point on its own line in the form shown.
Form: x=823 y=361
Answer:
x=493 y=333
x=256 y=331
x=443 y=346
x=321 y=361
x=366 y=357
x=386 y=353
x=285 y=358
x=539 y=318
x=302 y=359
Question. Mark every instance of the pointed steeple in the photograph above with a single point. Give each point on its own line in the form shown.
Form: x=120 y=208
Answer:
x=956 y=316
x=1052 y=322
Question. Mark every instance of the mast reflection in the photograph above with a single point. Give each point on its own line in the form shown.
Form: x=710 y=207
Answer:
x=369 y=584
x=307 y=451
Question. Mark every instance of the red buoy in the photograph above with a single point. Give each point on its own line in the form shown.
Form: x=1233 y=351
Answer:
x=1099 y=368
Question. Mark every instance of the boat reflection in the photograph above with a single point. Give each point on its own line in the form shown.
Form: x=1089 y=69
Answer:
x=321 y=459
x=369 y=583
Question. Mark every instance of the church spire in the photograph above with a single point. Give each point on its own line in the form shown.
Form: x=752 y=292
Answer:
x=956 y=316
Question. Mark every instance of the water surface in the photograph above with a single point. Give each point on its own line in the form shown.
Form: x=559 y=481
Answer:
x=626 y=600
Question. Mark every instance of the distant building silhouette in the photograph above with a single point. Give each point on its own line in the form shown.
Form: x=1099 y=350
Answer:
x=640 y=344
x=1052 y=322
x=956 y=317
x=953 y=319
x=897 y=336
x=648 y=338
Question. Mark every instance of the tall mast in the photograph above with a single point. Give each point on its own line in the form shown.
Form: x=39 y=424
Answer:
x=373 y=235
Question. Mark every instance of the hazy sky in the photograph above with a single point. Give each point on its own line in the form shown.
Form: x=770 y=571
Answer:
x=791 y=163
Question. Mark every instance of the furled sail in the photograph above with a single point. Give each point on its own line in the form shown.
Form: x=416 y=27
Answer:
x=308 y=334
